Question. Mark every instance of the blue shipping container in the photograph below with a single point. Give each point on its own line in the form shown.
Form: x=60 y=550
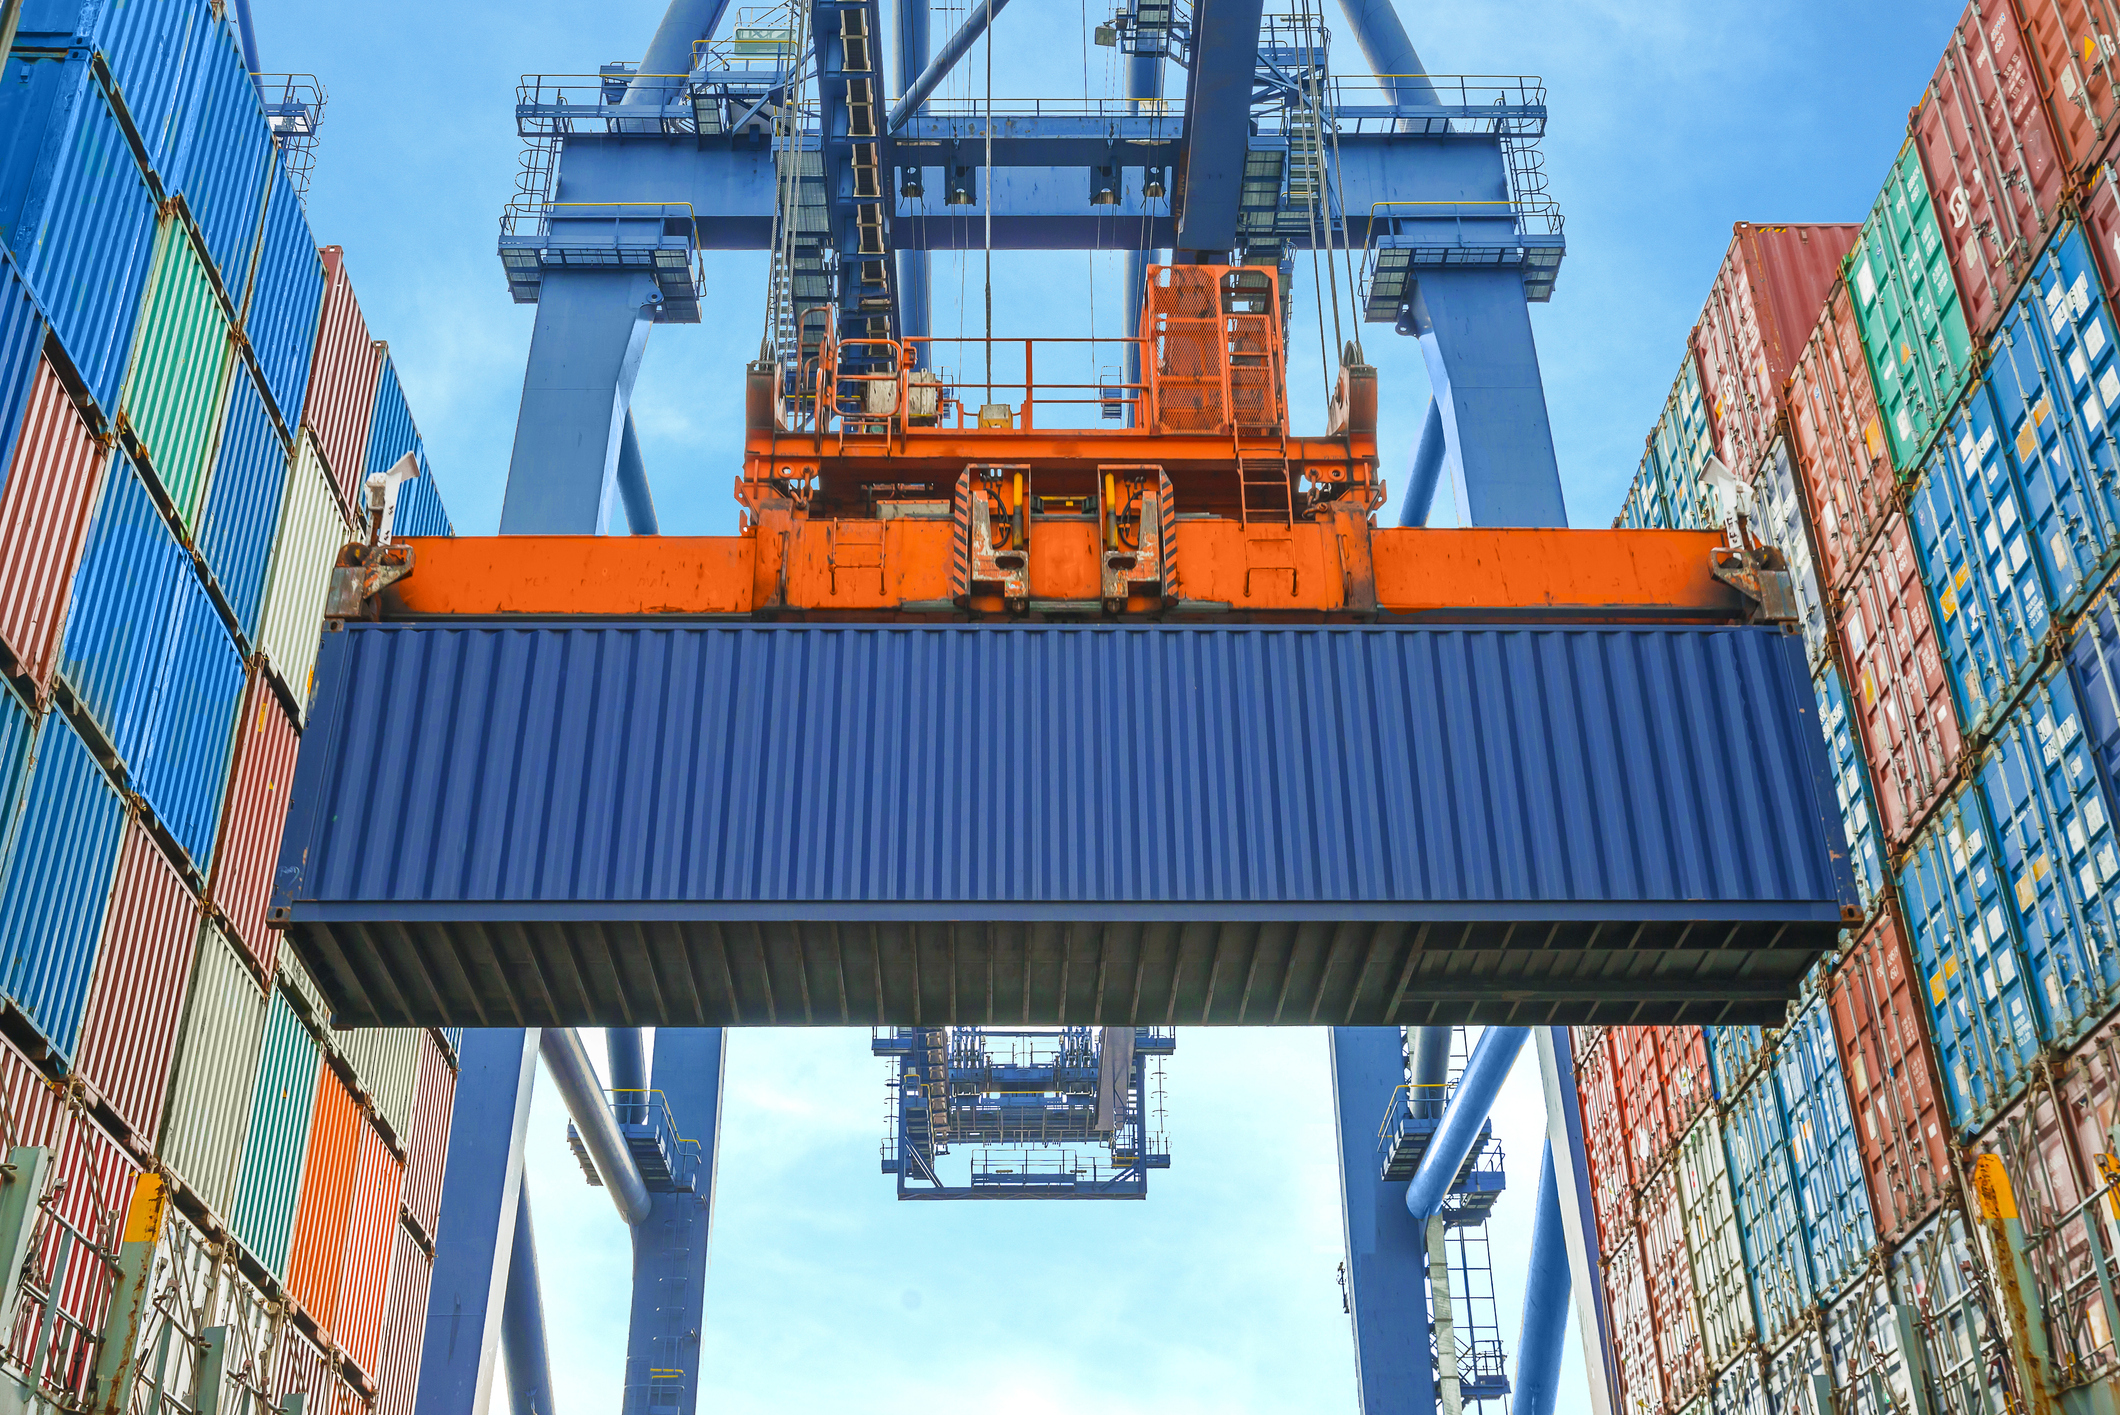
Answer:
x=118 y=622
x=226 y=157
x=1732 y=1053
x=391 y=434
x=419 y=505
x=2052 y=816
x=21 y=344
x=62 y=858
x=286 y=299
x=2056 y=382
x=665 y=782
x=84 y=225
x=152 y=48
x=1982 y=1015
x=1838 y=1227
x=180 y=766
x=1769 y=1213
x=1972 y=536
x=1851 y=786
x=243 y=501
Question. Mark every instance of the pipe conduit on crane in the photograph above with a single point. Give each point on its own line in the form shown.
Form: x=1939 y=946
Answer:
x=568 y=1061
x=1462 y=1118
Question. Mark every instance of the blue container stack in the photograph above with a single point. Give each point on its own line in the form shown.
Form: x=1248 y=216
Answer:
x=162 y=729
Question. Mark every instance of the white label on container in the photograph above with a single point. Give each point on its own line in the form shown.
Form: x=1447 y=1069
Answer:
x=2108 y=864
x=1992 y=536
x=1905 y=425
x=2004 y=964
x=2077 y=842
x=2079 y=295
x=1865 y=283
x=2018 y=554
x=1987 y=441
x=2006 y=512
x=2109 y=386
x=2094 y=337
x=2079 y=368
x=2093 y=409
x=2054 y=295
x=1966 y=452
x=2086 y=885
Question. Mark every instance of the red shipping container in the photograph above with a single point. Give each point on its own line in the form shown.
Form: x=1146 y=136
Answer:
x=91 y=1183
x=316 y=1265
x=2101 y=226
x=1759 y=312
x=1903 y=702
x=136 y=1000
x=301 y=1366
x=1605 y=1141
x=397 y=1375
x=44 y=514
x=1642 y=1106
x=427 y=1144
x=1881 y=1027
x=2071 y=44
x=1840 y=447
x=1668 y=1273
x=342 y=380
x=1682 y=1056
x=1641 y=1387
x=251 y=818
x=371 y=1229
x=1993 y=167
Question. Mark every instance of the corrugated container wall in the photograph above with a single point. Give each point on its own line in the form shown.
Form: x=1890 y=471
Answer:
x=151 y=47
x=45 y=511
x=312 y=531
x=1778 y=500
x=216 y=1076
x=317 y=1263
x=385 y=1062
x=1851 y=786
x=1840 y=442
x=1726 y=1321
x=1633 y=1326
x=1605 y=1142
x=369 y=1240
x=1673 y=1304
x=226 y=158
x=2071 y=60
x=60 y=866
x=1770 y=1216
x=404 y=1323
x=1906 y=303
x=341 y=401
x=1991 y=158
x=1941 y=1273
x=256 y=808
x=179 y=377
x=420 y=511
x=278 y=1143
x=1826 y=1161
x=143 y=973
x=286 y=299
x=243 y=502
x=1759 y=311
x=427 y=1143
x=21 y=347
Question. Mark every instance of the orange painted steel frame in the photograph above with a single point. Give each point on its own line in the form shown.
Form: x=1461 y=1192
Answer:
x=791 y=568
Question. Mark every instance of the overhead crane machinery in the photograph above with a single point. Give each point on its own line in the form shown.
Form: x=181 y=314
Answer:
x=889 y=477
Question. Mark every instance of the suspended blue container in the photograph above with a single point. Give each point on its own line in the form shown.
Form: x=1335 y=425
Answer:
x=21 y=343
x=419 y=505
x=2056 y=385
x=80 y=217
x=119 y=622
x=286 y=299
x=152 y=48
x=1838 y=1227
x=180 y=766
x=1851 y=786
x=1769 y=1212
x=243 y=502
x=1732 y=1054
x=1973 y=536
x=226 y=157
x=63 y=858
x=1970 y=963
x=2052 y=815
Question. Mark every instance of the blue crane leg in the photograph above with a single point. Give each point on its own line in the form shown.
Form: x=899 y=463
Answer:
x=1538 y=1348
x=1475 y=333
x=1382 y=37
x=1575 y=1203
x=629 y=1072
x=1387 y=1253
x=1431 y=1068
x=1215 y=147
x=523 y=1323
x=585 y=351
x=633 y=489
x=477 y=1225
x=1144 y=83
x=670 y=49
x=1429 y=455
x=915 y=289
x=977 y=16
x=670 y=1245
x=1466 y=1112
x=249 y=35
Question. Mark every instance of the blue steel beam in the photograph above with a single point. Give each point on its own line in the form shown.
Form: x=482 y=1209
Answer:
x=465 y=1299
x=1545 y=1328
x=1382 y=37
x=1463 y=1118
x=523 y=1322
x=860 y=194
x=1475 y=333
x=977 y=17
x=1225 y=56
x=1387 y=1251
x=670 y=49
x=641 y=521
x=670 y=1245
x=1429 y=456
x=915 y=289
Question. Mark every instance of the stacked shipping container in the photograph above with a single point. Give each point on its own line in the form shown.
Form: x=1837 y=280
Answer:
x=1921 y=1163
x=189 y=400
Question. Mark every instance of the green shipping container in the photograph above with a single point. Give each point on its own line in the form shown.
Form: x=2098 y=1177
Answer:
x=263 y=1219
x=1913 y=329
x=178 y=381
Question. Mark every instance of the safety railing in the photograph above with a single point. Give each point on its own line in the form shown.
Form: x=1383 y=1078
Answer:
x=904 y=384
x=1509 y=105
x=1534 y=217
x=555 y=104
x=761 y=37
x=650 y=1108
x=1052 y=107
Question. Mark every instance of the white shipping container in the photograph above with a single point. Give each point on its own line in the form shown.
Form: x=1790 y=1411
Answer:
x=217 y=1063
x=312 y=532
x=1790 y=1375
x=1869 y=1365
x=386 y=1064
x=1940 y=1273
x=194 y=1288
x=1727 y=1324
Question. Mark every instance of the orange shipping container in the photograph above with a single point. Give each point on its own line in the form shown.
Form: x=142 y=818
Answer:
x=371 y=1232
x=2073 y=61
x=1991 y=161
x=1902 y=699
x=1760 y=310
x=1840 y=447
x=1605 y=1140
x=316 y=1266
x=1882 y=1032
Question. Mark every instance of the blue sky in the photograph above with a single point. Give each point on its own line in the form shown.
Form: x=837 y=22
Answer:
x=1671 y=119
